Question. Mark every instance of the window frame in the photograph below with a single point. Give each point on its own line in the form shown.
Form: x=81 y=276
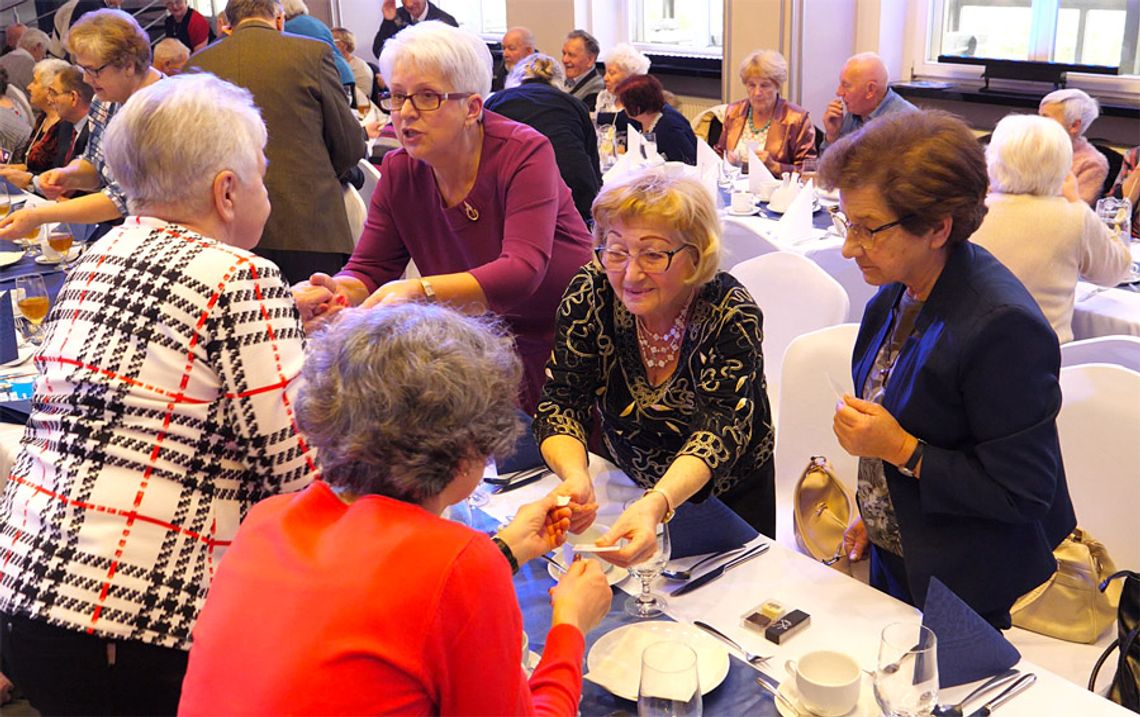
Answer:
x=632 y=11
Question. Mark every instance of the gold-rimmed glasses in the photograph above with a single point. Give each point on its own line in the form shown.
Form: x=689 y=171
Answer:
x=861 y=235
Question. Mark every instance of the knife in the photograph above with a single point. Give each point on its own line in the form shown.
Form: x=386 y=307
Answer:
x=508 y=478
x=1023 y=683
x=702 y=580
x=522 y=480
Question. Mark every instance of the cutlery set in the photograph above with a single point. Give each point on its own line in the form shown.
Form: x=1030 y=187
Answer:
x=518 y=479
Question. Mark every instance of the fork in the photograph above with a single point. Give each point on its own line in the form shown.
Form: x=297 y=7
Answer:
x=749 y=657
x=683 y=575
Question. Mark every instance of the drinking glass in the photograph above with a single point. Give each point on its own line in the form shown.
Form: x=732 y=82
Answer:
x=808 y=168
x=906 y=676
x=1117 y=214
x=5 y=199
x=33 y=302
x=670 y=685
x=646 y=604
x=31 y=241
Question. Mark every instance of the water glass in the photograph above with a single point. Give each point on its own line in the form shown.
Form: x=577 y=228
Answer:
x=670 y=685
x=646 y=604
x=1117 y=215
x=906 y=676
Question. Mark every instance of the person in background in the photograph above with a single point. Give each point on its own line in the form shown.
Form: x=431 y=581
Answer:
x=534 y=96
x=187 y=25
x=473 y=198
x=170 y=56
x=955 y=372
x=114 y=54
x=643 y=100
x=299 y=22
x=223 y=22
x=411 y=12
x=1047 y=241
x=21 y=62
x=579 y=59
x=14 y=128
x=314 y=136
x=864 y=93
x=361 y=73
x=666 y=349
x=50 y=138
x=622 y=61
x=783 y=131
x=12 y=35
x=403 y=406
x=71 y=97
x=518 y=42
x=135 y=472
x=1075 y=111
x=1127 y=186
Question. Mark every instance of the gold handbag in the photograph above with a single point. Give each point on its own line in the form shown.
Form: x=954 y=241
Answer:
x=1068 y=605
x=821 y=512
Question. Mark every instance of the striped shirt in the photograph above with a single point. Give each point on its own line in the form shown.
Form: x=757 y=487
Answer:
x=98 y=117
x=163 y=410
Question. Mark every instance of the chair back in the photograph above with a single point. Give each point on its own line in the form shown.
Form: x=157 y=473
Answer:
x=356 y=210
x=1122 y=350
x=1099 y=428
x=371 y=179
x=1115 y=161
x=704 y=122
x=741 y=240
x=796 y=297
x=807 y=405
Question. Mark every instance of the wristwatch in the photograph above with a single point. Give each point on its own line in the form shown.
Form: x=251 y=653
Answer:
x=429 y=291
x=907 y=469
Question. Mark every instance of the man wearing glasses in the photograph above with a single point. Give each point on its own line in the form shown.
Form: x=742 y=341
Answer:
x=71 y=98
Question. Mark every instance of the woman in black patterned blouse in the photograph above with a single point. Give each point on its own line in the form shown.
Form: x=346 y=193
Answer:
x=668 y=349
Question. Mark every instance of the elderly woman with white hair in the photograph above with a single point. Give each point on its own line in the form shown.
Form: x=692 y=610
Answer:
x=622 y=61
x=782 y=131
x=534 y=96
x=472 y=197
x=1047 y=241
x=162 y=411
x=1074 y=110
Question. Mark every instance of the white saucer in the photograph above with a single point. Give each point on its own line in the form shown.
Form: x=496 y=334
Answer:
x=41 y=259
x=815 y=207
x=865 y=707
x=733 y=213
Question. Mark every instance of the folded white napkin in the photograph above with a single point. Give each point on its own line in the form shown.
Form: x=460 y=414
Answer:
x=620 y=670
x=796 y=223
x=633 y=143
x=758 y=175
x=708 y=163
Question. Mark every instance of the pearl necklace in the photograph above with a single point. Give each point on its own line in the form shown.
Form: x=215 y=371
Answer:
x=660 y=350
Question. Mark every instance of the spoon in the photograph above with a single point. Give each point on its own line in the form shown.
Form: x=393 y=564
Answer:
x=684 y=575
x=993 y=683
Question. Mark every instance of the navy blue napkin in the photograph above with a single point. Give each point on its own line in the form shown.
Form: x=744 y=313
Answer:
x=525 y=453
x=707 y=527
x=8 y=350
x=969 y=648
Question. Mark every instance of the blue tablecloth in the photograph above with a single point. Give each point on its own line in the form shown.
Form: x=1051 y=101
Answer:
x=737 y=695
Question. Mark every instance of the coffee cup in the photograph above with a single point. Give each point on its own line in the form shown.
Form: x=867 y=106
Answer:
x=742 y=202
x=828 y=682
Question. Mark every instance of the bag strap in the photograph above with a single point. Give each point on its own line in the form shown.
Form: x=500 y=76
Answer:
x=1100 y=661
x=1119 y=573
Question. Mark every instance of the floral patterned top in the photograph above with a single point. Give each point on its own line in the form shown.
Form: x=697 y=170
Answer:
x=714 y=406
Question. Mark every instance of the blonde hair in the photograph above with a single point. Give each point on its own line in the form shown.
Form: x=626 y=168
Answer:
x=680 y=203
x=537 y=66
x=765 y=64
x=112 y=36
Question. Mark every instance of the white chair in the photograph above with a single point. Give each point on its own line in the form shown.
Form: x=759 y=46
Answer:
x=812 y=363
x=1121 y=350
x=356 y=210
x=796 y=297
x=371 y=179
x=740 y=241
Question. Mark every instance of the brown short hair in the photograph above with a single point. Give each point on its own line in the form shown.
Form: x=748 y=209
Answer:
x=114 y=37
x=926 y=164
x=640 y=94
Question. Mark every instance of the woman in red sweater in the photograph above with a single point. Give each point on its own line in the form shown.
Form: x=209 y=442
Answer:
x=354 y=596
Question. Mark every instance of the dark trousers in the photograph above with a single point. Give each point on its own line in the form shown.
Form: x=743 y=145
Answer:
x=66 y=672
x=300 y=265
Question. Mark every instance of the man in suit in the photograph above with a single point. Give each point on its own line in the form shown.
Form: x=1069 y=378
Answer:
x=313 y=136
x=412 y=12
x=518 y=43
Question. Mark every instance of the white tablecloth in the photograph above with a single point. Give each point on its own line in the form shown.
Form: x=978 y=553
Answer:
x=845 y=614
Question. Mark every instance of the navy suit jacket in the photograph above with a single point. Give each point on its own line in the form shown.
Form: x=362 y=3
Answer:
x=978 y=383
x=389 y=28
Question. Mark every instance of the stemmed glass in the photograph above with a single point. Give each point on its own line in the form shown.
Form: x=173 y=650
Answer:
x=62 y=238
x=646 y=604
x=906 y=676
x=670 y=684
x=1117 y=216
x=33 y=302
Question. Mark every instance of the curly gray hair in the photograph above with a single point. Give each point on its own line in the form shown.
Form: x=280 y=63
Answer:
x=395 y=398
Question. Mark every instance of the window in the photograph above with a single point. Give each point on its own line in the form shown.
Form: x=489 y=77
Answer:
x=1086 y=32
x=486 y=18
x=686 y=27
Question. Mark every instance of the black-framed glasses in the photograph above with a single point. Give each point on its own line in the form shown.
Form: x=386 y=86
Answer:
x=653 y=261
x=423 y=101
x=858 y=233
x=94 y=71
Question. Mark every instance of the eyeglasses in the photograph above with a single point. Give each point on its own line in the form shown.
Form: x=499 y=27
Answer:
x=94 y=71
x=423 y=101
x=858 y=233
x=653 y=261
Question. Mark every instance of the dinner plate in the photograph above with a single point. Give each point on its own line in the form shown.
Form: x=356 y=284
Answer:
x=733 y=213
x=8 y=258
x=865 y=707
x=614 y=574
x=614 y=662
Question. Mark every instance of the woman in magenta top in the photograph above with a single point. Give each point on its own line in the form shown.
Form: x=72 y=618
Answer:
x=475 y=199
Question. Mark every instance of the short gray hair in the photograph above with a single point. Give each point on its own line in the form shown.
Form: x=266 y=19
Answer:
x=589 y=42
x=33 y=36
x=238 y=10
x=537 y=66
x=432 y=46
x=628 y=59
x=1028 y=154
x=765 y=64
x=169 y=48
x=172 y=139
x=1077 y=105
x=293 y=8
x=395 y=398
x=47 y=69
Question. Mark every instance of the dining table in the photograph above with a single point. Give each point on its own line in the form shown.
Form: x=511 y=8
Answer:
x=846 y=615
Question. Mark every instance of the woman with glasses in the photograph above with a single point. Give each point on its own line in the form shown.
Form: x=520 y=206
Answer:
x=473 y=198
x=51 y=136
x=955 y=371
x=667 y=349
x=114 y=54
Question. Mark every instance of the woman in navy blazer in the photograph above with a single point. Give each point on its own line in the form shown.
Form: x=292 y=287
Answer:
x=960 y=472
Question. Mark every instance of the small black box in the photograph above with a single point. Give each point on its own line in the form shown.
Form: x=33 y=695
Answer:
x=787 y=626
